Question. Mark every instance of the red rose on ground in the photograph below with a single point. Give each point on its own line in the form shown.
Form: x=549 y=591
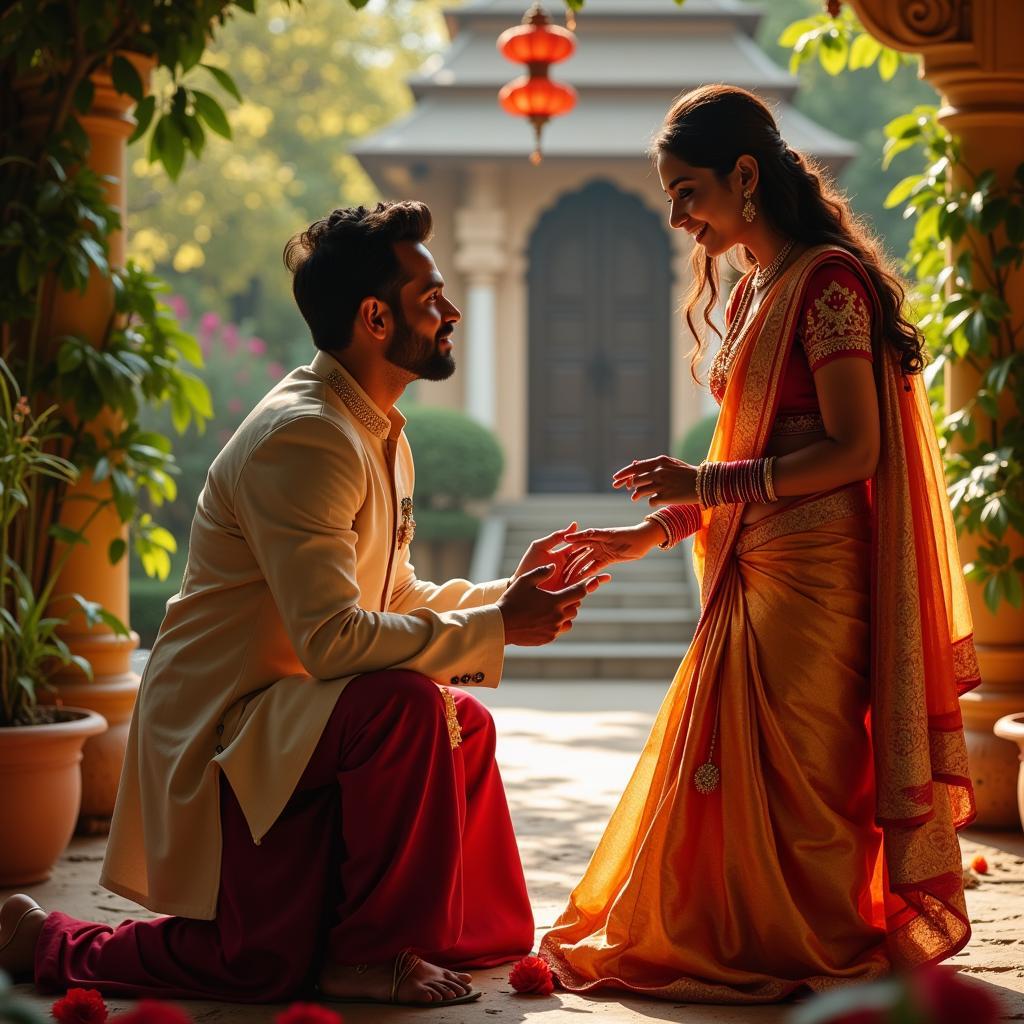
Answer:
x=307 y=1013
x=949 y=999
x=80 y=1006
x=980 y=865
x=152 y=1011
x=532 y=976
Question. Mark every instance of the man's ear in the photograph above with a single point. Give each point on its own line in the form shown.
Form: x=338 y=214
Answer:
x=375 y=317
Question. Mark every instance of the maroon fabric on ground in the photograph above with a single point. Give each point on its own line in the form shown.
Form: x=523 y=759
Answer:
x=391 y=841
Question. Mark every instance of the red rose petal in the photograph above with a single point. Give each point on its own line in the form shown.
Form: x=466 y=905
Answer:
x=980 y=865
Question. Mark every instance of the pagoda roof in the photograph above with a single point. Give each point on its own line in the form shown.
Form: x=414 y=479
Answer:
x=632 y=59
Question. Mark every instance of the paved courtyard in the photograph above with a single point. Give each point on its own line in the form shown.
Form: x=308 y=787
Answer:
x=566 y=751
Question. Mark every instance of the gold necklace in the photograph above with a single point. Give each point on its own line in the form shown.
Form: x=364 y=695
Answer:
x=764 y=276
x=718 y=375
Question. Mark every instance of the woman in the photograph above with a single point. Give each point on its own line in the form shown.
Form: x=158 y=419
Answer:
x=791 y=822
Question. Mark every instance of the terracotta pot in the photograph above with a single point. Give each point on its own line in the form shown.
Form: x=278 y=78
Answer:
x=41 y=787
x=103 y=755
x=1011 y=727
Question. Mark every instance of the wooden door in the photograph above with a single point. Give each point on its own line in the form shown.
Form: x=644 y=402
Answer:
x=599 y=306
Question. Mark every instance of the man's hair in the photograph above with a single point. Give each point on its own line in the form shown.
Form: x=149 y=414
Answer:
x=348 y=256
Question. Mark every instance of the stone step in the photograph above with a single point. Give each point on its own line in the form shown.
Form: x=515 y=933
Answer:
x=594 y=660
x=635 y=625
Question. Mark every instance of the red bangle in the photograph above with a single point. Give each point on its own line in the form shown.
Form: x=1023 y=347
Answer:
x=678 y=522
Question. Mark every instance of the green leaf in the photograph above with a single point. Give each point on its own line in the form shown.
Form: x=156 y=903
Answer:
x=792 y=32
x=143 y=115
x=170 y=146
x=224 y=80
x=833 y=52
x=126 y=78
x=864 y=51
x=212 y=113
x=66 y=535
x=116 y=550
x=901 y=190
x=888 y=64
x=991 y=593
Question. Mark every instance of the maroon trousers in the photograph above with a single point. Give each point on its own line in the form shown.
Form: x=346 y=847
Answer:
x=391 y=841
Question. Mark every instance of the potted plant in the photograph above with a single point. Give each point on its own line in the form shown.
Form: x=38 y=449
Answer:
x=40 y=744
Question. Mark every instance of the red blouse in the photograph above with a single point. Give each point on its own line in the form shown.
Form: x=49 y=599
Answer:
x=834 y=322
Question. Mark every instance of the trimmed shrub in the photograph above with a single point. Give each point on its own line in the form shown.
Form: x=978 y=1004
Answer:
x=694 y=446
x=458 y=462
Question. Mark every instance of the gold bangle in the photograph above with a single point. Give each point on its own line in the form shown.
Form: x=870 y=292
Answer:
x=666 y=529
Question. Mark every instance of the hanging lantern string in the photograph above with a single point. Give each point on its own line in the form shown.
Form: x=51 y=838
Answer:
x=538 y=44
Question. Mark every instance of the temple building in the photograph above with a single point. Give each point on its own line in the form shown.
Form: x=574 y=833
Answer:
x=570 y=280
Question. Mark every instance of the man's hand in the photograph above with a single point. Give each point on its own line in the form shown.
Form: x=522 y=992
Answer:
x=548 y=551
x=534 y=616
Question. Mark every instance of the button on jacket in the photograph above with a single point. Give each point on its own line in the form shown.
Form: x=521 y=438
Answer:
x=296 y=582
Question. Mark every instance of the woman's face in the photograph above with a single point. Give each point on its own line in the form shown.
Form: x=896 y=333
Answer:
x=702 y=204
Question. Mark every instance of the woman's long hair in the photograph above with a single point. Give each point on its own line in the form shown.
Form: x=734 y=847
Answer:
x=716 y=124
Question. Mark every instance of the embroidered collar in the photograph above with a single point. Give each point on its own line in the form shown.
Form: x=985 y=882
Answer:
x=341 y=382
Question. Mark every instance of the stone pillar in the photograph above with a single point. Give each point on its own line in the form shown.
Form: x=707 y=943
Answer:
x=481 y=257
x=971 y=53
x=88 y=571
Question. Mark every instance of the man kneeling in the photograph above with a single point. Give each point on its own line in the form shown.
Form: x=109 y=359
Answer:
x=300 y=791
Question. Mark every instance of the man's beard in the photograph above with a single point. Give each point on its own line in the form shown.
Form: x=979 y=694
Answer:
x=419 y=354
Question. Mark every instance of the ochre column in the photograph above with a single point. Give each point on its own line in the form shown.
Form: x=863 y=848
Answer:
x=972 y=53
x=88 y=572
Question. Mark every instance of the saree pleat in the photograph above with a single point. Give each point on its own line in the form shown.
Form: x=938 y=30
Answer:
x=833 y=642
x=773 y=881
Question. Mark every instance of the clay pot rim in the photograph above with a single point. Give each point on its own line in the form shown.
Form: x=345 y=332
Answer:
x=84 y=723
x=1011 y=727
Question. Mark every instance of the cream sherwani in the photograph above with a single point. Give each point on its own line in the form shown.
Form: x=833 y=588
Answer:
x=298 y=579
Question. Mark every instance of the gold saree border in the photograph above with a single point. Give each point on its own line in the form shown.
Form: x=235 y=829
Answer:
x=805 y=515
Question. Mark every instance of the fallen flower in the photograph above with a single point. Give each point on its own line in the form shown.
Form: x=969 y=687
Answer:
x=532 y=976
x=308 y=1013
x=980 y=864
x=80 y=1006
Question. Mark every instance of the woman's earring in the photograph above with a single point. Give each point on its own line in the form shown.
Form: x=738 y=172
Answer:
x=749 y=209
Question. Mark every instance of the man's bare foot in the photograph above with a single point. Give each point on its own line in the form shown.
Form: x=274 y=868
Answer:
x=21 y=921
x=426 y=983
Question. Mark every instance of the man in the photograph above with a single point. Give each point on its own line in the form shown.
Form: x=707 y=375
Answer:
x=299 y=792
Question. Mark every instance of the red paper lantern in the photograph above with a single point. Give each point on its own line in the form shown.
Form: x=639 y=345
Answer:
x=538 y=44
x=535 y=97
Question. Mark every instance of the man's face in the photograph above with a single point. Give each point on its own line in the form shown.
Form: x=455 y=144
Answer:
x=424 y=317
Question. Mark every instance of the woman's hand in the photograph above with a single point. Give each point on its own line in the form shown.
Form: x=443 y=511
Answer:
x=594 y=550
x=662 y=481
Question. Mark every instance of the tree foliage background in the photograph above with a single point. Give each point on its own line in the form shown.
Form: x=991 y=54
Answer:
x=314 y=77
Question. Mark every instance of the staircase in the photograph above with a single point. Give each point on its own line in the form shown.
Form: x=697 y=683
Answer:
x=636 y=627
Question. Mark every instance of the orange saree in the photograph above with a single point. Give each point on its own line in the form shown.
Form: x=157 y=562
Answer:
x=823 y=682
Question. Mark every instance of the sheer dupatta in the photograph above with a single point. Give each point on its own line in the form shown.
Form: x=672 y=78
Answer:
x=923 y=654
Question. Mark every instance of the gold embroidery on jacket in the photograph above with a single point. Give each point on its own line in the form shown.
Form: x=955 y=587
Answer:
x=373 y=421
x=838 y=321
x=452 y=717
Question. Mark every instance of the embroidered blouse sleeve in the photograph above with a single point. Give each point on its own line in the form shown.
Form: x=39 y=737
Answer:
x=835 y=320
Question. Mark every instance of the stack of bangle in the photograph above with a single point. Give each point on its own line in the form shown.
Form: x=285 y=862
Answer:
x=731 y=483
x=678 y=522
